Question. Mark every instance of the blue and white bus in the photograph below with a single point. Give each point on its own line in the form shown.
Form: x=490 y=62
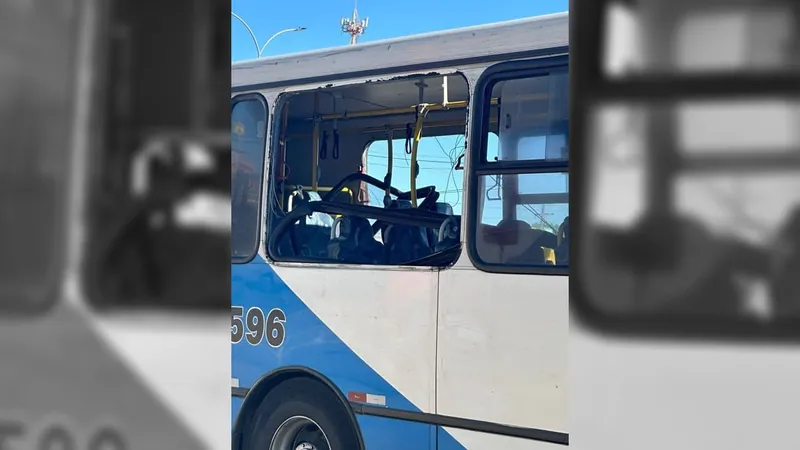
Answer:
x=400 y=245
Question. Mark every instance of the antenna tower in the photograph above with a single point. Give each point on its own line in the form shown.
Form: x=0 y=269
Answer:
x=353 y=26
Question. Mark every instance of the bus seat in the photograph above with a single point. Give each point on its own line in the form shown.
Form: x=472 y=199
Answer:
x=545 y=238
x=540 y=251
x=443 y=208
x=544 y=243
x=312 y=239
x=511 y=242
x=426 y=237
x=404 y=243
x=403 y=204
x=562 y=250
x=450 y=241
x=351 y=241
x=433 y=235
x=487 y=250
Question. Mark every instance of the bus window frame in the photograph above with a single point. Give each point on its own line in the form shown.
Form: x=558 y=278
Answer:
x=282 y=101
x=240 y=98
x=478 y=165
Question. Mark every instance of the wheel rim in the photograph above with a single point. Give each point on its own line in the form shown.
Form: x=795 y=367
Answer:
x=299 y=433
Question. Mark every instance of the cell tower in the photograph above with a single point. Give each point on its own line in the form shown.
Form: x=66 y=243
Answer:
x=353 y=26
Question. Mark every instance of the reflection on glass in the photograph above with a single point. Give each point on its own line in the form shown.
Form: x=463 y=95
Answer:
x=731 y=173
x=533 y=120
x=524 y=219
x=247 y=147
x=754 y=38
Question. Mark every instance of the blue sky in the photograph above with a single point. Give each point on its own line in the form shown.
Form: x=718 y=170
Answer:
x=391 y=19
x=387 y=19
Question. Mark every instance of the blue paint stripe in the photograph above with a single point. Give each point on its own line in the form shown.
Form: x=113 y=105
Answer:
x=310 y=343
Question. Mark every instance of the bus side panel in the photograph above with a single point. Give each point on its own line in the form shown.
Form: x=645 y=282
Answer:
x=381 y=433
x=368 y=331
x=503 y=358
x=473 y=440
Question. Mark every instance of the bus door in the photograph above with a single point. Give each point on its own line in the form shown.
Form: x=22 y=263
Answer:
x=503 y=308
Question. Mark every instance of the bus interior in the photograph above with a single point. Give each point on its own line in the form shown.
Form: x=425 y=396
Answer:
x=342 y=189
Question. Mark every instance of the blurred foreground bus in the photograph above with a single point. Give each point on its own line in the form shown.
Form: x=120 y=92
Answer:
x=112 y=144
x=686 y=127
x=368 y=311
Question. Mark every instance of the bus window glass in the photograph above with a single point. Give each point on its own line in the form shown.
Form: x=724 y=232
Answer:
x=532 y=120
x=523 y=226
x=745 y=38
x=524 y=217
x=248 y=123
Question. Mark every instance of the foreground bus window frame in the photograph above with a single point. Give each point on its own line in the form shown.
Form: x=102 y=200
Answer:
x=259 y=208
x=282 y=102
x=591 y=87
x=477 y=149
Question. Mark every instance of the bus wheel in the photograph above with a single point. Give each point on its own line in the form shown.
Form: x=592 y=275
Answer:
x=301 y=414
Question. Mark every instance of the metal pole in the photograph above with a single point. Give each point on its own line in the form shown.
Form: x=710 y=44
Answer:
x=260 y=50
x=249 y=30
x=288 y=30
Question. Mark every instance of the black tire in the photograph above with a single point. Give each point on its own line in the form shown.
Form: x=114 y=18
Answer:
x=302 y=397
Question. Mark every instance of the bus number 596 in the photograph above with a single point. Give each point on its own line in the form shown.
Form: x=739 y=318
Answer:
x=257 y=326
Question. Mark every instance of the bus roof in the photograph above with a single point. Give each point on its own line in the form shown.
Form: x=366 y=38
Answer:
x=519 y=38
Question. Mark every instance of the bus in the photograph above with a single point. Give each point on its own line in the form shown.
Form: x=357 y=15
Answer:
x=402 y=281
x=685 y=129
x=108 y=346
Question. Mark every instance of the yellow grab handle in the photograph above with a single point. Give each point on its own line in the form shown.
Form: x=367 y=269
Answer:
x=350 y=193
x=423 y=110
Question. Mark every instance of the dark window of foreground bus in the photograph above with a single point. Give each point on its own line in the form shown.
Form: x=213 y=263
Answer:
x=248 y=125
x=521 y=178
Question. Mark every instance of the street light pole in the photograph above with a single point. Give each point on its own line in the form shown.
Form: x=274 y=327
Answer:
x=249 y=30
x=288 y=30
x=260 y=50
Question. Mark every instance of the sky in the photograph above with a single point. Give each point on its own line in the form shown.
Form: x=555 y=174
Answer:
x=387 y=19
x=391 y=19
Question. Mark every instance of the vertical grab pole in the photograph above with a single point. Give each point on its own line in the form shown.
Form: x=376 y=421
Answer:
x=423 y=111
x=445 y=93
x=387 y=180
x=315 y=146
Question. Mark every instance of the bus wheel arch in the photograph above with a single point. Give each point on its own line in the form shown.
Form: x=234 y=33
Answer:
x=280 y=381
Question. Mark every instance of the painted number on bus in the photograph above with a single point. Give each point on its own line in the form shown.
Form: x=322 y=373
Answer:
x=255 y=326
x=57 y=436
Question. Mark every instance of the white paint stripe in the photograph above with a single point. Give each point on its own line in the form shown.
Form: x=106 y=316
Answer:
x=185 y=349
x=392 y=318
